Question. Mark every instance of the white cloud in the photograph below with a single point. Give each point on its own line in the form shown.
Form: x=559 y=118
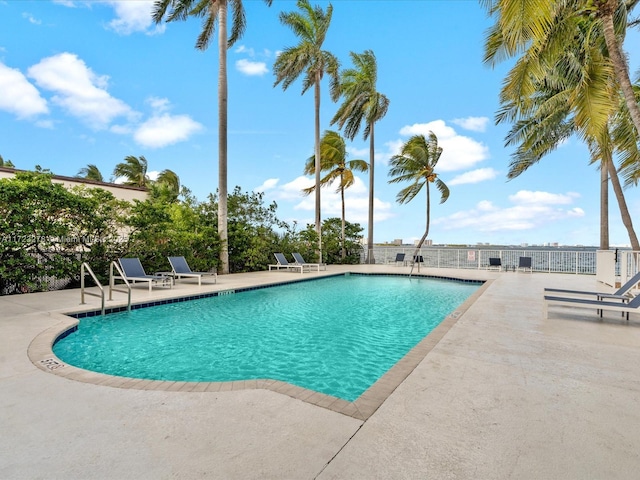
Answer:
x=78 y=90
x=526 y=197
x=268 y=184
x=393 y=148
x=362 y=153
x=158 y=104
x=531 y=210
x=356 y=200
x=164 y=129
x=18 y=96
x=292 y=191
x=82 y=93
x=31 y=19
x=249 y=67
x=475 y=124
x=474 y=176
x=242 y=49
x=458 y=152
x=133 y=17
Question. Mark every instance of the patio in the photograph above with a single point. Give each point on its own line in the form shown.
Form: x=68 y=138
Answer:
x=503 y=394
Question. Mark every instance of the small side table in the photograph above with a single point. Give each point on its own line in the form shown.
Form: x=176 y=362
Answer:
x=170 y=275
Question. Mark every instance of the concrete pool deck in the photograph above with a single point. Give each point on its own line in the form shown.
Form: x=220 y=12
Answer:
x=504 y=393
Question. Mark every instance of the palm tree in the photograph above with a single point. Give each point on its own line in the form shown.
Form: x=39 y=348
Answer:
x=552 y=95
x=416 y=163
x=606 y=10
x=170 y=179
x=542 y=29
x=212 y=11
x=362 y=101
x=333 y=159
x=310 y=24
x=6 y=163
x=133 y=170
x=90 y=172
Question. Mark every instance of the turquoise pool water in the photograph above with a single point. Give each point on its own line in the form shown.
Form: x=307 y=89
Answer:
x=334 y=335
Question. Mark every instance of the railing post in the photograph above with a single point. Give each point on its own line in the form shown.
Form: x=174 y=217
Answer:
x=82 y=284
x=97 y=282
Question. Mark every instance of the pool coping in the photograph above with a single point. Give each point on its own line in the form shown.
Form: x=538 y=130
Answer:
x=40 y=352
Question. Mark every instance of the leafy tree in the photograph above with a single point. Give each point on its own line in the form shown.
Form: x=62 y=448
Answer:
x=333 y=160
x=212 y=11
x=103 y=230
x=332 y=240
x=310 y=24
x=362 y=102
x=252 y=227
x=42 y=229
x=416 y=163
x=90 y=172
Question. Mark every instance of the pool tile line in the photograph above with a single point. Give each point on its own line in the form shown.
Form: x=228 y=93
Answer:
x=418 y=275
x=167 y=301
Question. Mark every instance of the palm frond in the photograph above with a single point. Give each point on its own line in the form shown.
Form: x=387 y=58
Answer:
x=239 y=24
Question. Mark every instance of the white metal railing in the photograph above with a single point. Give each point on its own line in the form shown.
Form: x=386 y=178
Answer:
x=83 y=269
x=628 y=263
x=112 y=279
x=550 y=261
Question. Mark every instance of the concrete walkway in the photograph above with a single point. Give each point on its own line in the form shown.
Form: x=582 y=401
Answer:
x=503 y=394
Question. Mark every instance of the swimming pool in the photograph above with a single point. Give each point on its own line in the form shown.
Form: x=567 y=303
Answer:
x=335 y=335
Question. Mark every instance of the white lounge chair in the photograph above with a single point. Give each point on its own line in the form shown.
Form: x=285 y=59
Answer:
x=180 y=269
x=134 y=272
x=283 y=263
x=633 y=304
x=622 y=293
x=299 y=260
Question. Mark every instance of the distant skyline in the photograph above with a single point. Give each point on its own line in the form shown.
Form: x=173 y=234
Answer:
x=91 y=82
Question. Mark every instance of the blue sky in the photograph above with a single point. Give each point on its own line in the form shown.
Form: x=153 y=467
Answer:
x=91 y=82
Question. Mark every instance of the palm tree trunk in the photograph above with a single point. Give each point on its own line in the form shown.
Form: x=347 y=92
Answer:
x=343 y=254
x=317 y=160
x=370 y=257
x=608 y=8
x=426 y=232
x=223 y=233
x=604 y=205
x=624 y=211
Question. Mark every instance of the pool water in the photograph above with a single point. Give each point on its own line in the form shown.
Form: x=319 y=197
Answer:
x=335 y=335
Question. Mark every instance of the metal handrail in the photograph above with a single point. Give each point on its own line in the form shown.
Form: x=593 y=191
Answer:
x=122 y=277
x=83 y=267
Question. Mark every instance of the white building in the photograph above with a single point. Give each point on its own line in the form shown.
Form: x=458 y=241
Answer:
x=121 y=192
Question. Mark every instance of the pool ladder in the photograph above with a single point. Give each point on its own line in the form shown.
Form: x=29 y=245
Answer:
x=86 y=268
